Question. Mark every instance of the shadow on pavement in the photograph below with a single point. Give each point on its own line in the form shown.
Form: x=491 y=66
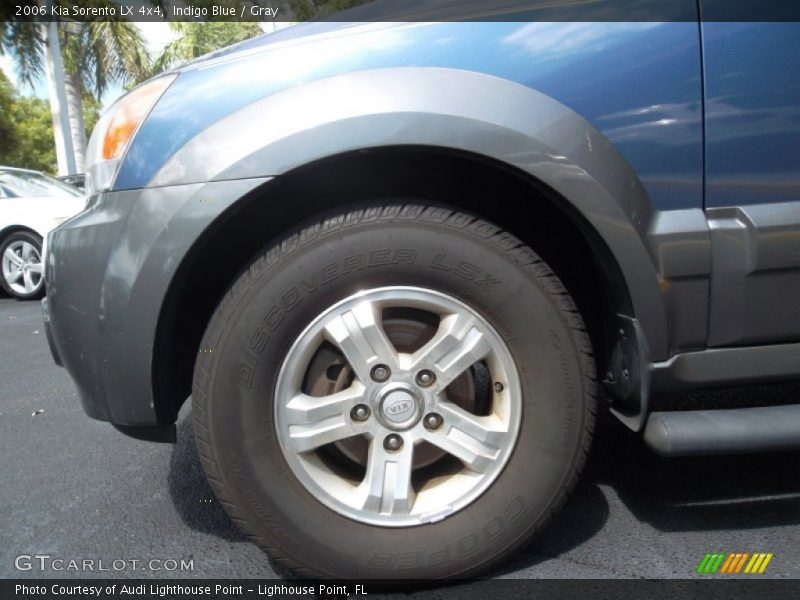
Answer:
x=702 y=493
x=190 y=491
x=677 y=494
x=584 y=515
x=671 y=494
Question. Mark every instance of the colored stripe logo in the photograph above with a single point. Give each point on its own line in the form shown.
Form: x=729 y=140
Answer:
x=734 y=563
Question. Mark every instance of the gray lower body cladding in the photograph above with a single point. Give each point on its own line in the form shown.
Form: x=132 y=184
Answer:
x=108 y=271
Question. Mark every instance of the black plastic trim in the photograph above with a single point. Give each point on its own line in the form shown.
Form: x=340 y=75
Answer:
x=703 y=432
x=719 y=367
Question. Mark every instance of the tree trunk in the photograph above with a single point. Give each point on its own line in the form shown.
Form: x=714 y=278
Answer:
x=58 y=99
x=72 y=83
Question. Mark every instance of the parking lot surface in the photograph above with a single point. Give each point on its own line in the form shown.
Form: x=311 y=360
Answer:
x=75 y=488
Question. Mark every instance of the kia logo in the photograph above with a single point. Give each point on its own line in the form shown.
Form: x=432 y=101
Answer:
x=398 y=407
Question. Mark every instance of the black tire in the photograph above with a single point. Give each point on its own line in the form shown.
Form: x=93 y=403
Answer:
x=36 y=241
x=526 y=303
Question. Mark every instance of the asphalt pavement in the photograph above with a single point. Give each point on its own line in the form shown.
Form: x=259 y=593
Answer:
x=76 y=489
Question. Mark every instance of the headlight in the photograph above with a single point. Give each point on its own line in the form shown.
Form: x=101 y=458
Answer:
x=116 y=129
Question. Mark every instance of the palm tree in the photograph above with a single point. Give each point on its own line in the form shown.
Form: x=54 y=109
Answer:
x=96 y=55
x=196 y=39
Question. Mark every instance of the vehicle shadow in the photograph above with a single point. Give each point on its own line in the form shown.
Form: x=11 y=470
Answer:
x=702 y=493
x=671 y=494
x=190 y=492
x=676 y=494
x=194 y=500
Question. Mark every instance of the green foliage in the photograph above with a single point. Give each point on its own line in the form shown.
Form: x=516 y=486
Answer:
x=96 y=54
x=24 y=41
x=32 y=144
x=7 y=127
x=35 y=130
x=104 y=53
x=26 y=129
x=196 y=39
x=101 y=52
x=92 y=110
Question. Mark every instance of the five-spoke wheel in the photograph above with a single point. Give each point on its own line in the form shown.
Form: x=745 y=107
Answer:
x=21 y=265
x=398 y=400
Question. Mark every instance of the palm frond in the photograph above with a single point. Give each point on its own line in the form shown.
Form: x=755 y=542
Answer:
x=116 y=54
x=24 y=42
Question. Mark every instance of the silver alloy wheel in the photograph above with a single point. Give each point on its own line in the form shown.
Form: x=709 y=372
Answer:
x=22 y=267
x=396 y=414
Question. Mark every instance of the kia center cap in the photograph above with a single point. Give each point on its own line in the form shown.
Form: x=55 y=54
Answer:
x=399 y=406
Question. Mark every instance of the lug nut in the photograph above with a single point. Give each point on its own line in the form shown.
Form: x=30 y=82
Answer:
x=393 y=442
x=360 y=412
x=380 y=373
x=432 y=421
x=498 y=387
x=425 y=378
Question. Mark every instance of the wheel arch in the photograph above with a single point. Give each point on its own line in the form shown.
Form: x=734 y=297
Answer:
x=308 y=193
x=495 y=126
x=11 y=229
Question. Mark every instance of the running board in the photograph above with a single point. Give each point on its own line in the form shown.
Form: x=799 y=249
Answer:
x=702 y=432
x=721 y=367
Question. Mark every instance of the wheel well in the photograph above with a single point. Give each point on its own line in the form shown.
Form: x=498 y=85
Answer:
x=16 y=229
x=484 y=187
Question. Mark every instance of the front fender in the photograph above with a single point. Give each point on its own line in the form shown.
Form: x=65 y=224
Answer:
x=445 y=108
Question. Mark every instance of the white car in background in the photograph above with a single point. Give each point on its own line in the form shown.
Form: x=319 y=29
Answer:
x=31 y=204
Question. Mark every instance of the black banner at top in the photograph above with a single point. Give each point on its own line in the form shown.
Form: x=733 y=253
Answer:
x=400 y=10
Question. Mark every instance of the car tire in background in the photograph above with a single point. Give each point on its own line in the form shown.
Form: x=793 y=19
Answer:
x=397 y=391
x=21 y=268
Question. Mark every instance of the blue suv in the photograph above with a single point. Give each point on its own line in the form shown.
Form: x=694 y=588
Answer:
x=393 y=264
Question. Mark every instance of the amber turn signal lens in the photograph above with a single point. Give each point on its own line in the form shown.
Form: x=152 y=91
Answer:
x=131 y=111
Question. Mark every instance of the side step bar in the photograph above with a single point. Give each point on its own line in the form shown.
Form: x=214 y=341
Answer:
x=686 y=433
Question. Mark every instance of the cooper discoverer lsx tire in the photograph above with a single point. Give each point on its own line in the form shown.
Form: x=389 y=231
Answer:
x=397 y=391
